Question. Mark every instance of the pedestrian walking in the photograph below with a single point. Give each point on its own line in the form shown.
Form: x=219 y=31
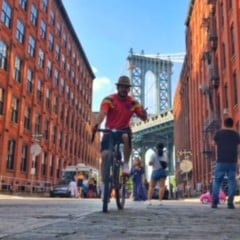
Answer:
x=80 y=179
x=158 y=161
x=73 y=188
x=137 y=174
x=227 y=141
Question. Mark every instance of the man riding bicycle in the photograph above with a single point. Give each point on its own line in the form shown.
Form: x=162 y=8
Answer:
x=118 y=110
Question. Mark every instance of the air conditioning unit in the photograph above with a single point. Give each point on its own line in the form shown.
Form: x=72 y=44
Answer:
x=225 y=111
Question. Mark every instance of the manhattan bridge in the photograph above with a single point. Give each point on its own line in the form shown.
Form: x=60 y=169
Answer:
x=151 y=78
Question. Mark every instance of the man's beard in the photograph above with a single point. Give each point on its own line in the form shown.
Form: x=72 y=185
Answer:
x=122 y=95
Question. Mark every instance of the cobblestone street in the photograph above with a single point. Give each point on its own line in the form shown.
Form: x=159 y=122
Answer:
x=181 y=220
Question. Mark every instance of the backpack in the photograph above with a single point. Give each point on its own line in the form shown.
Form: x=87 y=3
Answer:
x=163 y=163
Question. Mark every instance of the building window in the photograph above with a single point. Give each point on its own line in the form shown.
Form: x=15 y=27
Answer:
x=2 y=96
x=32 y=46
x=55 y=134
x=41 y=59
x=3 y=55
x=235 y=88
x=49 y=69
x=20 y=31
x=43 y=30
x=27 y=118
x=34 y=15
x=62 y=112
x=38 y=126
x=24 y=158
x=45 y=5
x=36 y=166
x=56 y=105
x=61 y=139
x=44 y=165
x=69 y=48
x=40 y=90
x=18 y=69
x=63 y=62
x=68 y=117
x=64 y=40
x=56 y=77
x=11 y=154
x=51 y=42
x=232 y=40
x=30 y=80
x=62 y=86
x=15 y=109
x=222 y=14
x=59 y=30
x=224 y=55
x=226 y=96
x=6 y=16
x=57 y=52
x=47 y=127
x=48 y=99
x=23 y=4
x=230 y=4
x=51 y=162
x=68 y=70
x=73 y=76
x=52 y=18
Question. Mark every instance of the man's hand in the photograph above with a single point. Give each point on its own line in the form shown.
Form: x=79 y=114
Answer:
x=144 y=114
x=94 y=130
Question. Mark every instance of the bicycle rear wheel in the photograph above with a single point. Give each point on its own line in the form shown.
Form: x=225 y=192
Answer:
x=120 y=187
x=107 y=184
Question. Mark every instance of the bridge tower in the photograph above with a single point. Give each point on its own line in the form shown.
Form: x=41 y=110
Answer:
x=161 y=68
x=160 y=125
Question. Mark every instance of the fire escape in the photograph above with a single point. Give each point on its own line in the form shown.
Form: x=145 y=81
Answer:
x=212 y=123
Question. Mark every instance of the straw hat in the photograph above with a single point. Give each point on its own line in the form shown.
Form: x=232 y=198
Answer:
x=124 y=80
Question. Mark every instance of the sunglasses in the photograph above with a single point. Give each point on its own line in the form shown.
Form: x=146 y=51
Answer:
x=123 y=86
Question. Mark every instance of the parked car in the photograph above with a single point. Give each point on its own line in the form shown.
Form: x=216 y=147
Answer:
x=60 y=190
x=207 y=197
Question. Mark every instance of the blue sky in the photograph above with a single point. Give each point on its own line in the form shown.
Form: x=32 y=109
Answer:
x=107 y=29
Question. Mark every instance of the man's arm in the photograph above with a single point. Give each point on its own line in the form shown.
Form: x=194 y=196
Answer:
x=238 y=151
x=100 y=117
x=142 y=113
x=99 y=120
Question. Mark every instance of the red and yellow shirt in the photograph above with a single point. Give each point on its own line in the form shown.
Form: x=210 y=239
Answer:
x=119 y=111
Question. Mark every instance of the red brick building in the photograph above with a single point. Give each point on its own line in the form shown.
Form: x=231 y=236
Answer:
x=209 y=86
x=45 y=94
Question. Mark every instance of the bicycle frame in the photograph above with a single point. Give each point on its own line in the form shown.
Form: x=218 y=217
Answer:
x=112 y=176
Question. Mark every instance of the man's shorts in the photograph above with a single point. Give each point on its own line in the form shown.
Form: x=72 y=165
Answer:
x=159 y=174
x=117 y=138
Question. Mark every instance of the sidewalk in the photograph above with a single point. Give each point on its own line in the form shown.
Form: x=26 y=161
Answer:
x=71 y=219
x=22 y=196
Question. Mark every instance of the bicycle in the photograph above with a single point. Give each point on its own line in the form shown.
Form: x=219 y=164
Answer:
x=113 y=178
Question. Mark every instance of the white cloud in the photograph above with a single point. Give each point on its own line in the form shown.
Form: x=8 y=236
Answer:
x=100 y=83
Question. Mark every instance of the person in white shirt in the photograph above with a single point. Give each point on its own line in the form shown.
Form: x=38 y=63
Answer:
x=158 y=161
x=73 y=188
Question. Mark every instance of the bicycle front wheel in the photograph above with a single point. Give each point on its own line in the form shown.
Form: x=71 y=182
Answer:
x=120 y=187
x=107 y=183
